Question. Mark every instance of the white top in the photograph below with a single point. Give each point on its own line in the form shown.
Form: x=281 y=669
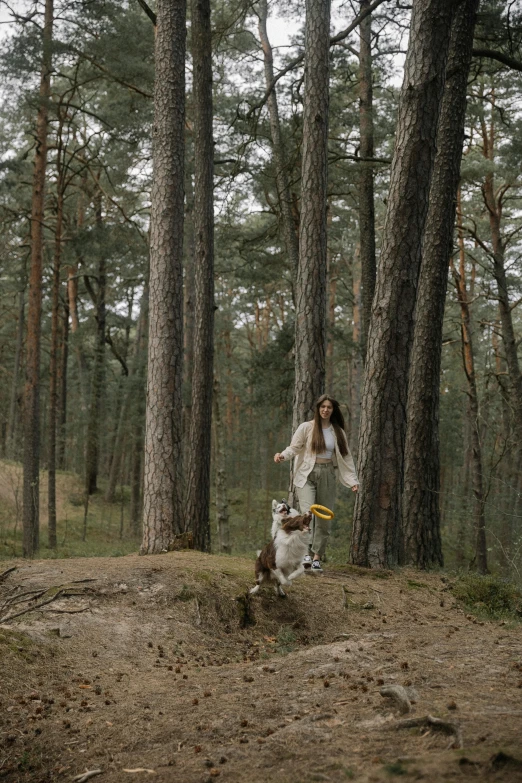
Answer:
x=329 y=442
x=301 y=449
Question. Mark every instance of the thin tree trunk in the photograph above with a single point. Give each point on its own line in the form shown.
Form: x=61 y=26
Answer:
x=136 y=477
x=53 y=362
x=62 y=385
x=310 y=319
x=376 y=539
x=92 y=447
x=163 y=468
x=198 y=462
x=131 y=391
x=330 y=346
x=356 y=359
x=188 y=314
x=421 y=494
x=11 y=451
x=222 y=515
x=366 y=195
x=473 y=409
x=31 y=481
x=289 y=226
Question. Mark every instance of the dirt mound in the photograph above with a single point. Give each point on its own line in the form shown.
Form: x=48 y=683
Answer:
x=164 y=668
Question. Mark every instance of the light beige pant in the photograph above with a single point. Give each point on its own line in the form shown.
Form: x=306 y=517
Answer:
x=320 y=488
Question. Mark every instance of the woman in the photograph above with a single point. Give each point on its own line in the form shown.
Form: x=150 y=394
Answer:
x=321 y=450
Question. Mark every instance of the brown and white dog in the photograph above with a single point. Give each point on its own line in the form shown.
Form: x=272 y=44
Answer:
x=281 y=561
x=280 y=513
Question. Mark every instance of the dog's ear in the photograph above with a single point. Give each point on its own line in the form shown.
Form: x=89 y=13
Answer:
x=274 y=505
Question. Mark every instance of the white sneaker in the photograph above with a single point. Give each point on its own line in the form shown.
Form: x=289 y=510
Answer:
x=316 y=565
x=307 y=561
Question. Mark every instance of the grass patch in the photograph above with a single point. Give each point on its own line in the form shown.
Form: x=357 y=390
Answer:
x=286 y=640
x=417 y=585
x=489 y=596
x=396 y=768
x=185 y=594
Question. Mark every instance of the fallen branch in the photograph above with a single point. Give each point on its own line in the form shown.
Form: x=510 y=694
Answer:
x=429 y=722
x=67 y=611
x=87 y=775
x=4 y=574
x=31 y=608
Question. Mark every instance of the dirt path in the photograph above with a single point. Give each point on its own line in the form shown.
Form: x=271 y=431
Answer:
x=146 y=673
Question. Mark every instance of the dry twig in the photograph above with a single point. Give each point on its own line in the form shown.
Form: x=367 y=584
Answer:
x=87 y=775
x=428 y=721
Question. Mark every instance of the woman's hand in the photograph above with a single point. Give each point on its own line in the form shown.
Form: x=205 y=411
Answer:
x=355 y=488
x=279 y=458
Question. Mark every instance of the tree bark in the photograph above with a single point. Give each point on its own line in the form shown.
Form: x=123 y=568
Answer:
x=376 y=540
x=290 y=229
x=198 y=461
x=31 y=465
x=310 y=317
x=188 y=316
x=163 y=468
x=421 y=496
x=366 y=194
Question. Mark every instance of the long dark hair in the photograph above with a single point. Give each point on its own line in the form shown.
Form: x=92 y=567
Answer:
x=337 y=422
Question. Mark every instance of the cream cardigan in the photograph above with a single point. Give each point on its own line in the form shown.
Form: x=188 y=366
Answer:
x=301 y=449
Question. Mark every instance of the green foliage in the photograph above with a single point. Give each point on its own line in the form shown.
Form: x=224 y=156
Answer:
x=489 y=596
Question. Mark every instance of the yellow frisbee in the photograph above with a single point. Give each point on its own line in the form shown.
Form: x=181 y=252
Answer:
x=315 y=509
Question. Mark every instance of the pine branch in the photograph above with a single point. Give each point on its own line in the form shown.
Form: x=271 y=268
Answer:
x=505 y=59
x=148 y=10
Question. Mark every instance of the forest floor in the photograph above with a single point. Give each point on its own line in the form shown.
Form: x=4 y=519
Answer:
x=163 y=668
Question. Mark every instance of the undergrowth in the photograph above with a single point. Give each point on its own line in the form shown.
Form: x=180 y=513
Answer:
x=489 y=596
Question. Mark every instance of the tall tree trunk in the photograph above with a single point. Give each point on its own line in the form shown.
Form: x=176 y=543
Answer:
x=222 y=514
x=189 y=295
x=163 y=468
x=494 y=207
x=421 y=494
x=198 y=461
x=290 y=229
x=355 y=362
x=366 y=195
x=92 y=446
x=11 y=451
x=310 y=317
x=131 y=391
x=62 y=386
x=136 y=469
x=53 y=362
x=473 y=409
x=330 y=346
x=31 y=482
x=376 y=531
